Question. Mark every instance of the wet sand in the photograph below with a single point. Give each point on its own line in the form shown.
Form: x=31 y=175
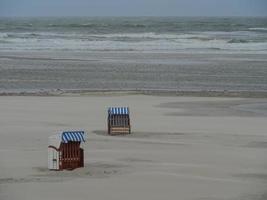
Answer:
x=191 y=148
x=178 y=72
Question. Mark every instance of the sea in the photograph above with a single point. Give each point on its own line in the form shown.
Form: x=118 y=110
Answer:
x=180 y=51
x=134 y=34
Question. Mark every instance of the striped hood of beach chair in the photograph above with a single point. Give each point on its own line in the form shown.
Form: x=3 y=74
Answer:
x=118 y=111
x=73 y=136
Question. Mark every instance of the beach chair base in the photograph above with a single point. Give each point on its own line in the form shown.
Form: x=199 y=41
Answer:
x=119 y=130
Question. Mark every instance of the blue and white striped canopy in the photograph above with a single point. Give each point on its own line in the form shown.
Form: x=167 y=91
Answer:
x=74 y=136
x=118 y=111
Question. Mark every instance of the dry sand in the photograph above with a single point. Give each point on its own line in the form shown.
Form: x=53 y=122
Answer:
x=188 y=148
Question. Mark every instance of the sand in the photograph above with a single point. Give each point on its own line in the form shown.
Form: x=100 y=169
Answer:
x=188 y=148
x=43 y=71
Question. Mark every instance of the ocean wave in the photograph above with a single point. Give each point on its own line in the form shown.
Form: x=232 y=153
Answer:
x=23 y=35
x=201 y=38
x=3 y=35
x=73 y=25
x=238 y=41
x=126 y=37
x=149 y=41
x=28 y=24
x=233 y=37
x=148 y=36
x=134 y=25
x=35 y=35
x=4 y=41
x=92 y=25
x=258 y=29
x=98 y=25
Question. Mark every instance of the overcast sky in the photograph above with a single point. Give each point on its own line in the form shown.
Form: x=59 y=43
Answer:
x=133 y=7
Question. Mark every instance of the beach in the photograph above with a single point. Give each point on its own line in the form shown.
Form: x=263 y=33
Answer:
x=197 y=92
x=190 y=148
x=156 y=72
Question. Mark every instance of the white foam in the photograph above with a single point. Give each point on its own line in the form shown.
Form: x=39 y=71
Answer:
x=258 y=29
x=3 y=35
x=208 y=41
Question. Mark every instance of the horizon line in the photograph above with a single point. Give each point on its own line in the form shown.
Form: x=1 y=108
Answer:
x=134 y=16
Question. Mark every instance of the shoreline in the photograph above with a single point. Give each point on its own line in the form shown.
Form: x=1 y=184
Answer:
x=99 y=92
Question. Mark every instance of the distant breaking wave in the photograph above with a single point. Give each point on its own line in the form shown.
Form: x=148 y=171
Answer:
x=238 y=41
x=74 y=25
x=200 y=41
x=97 y=25
x=258 y=29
